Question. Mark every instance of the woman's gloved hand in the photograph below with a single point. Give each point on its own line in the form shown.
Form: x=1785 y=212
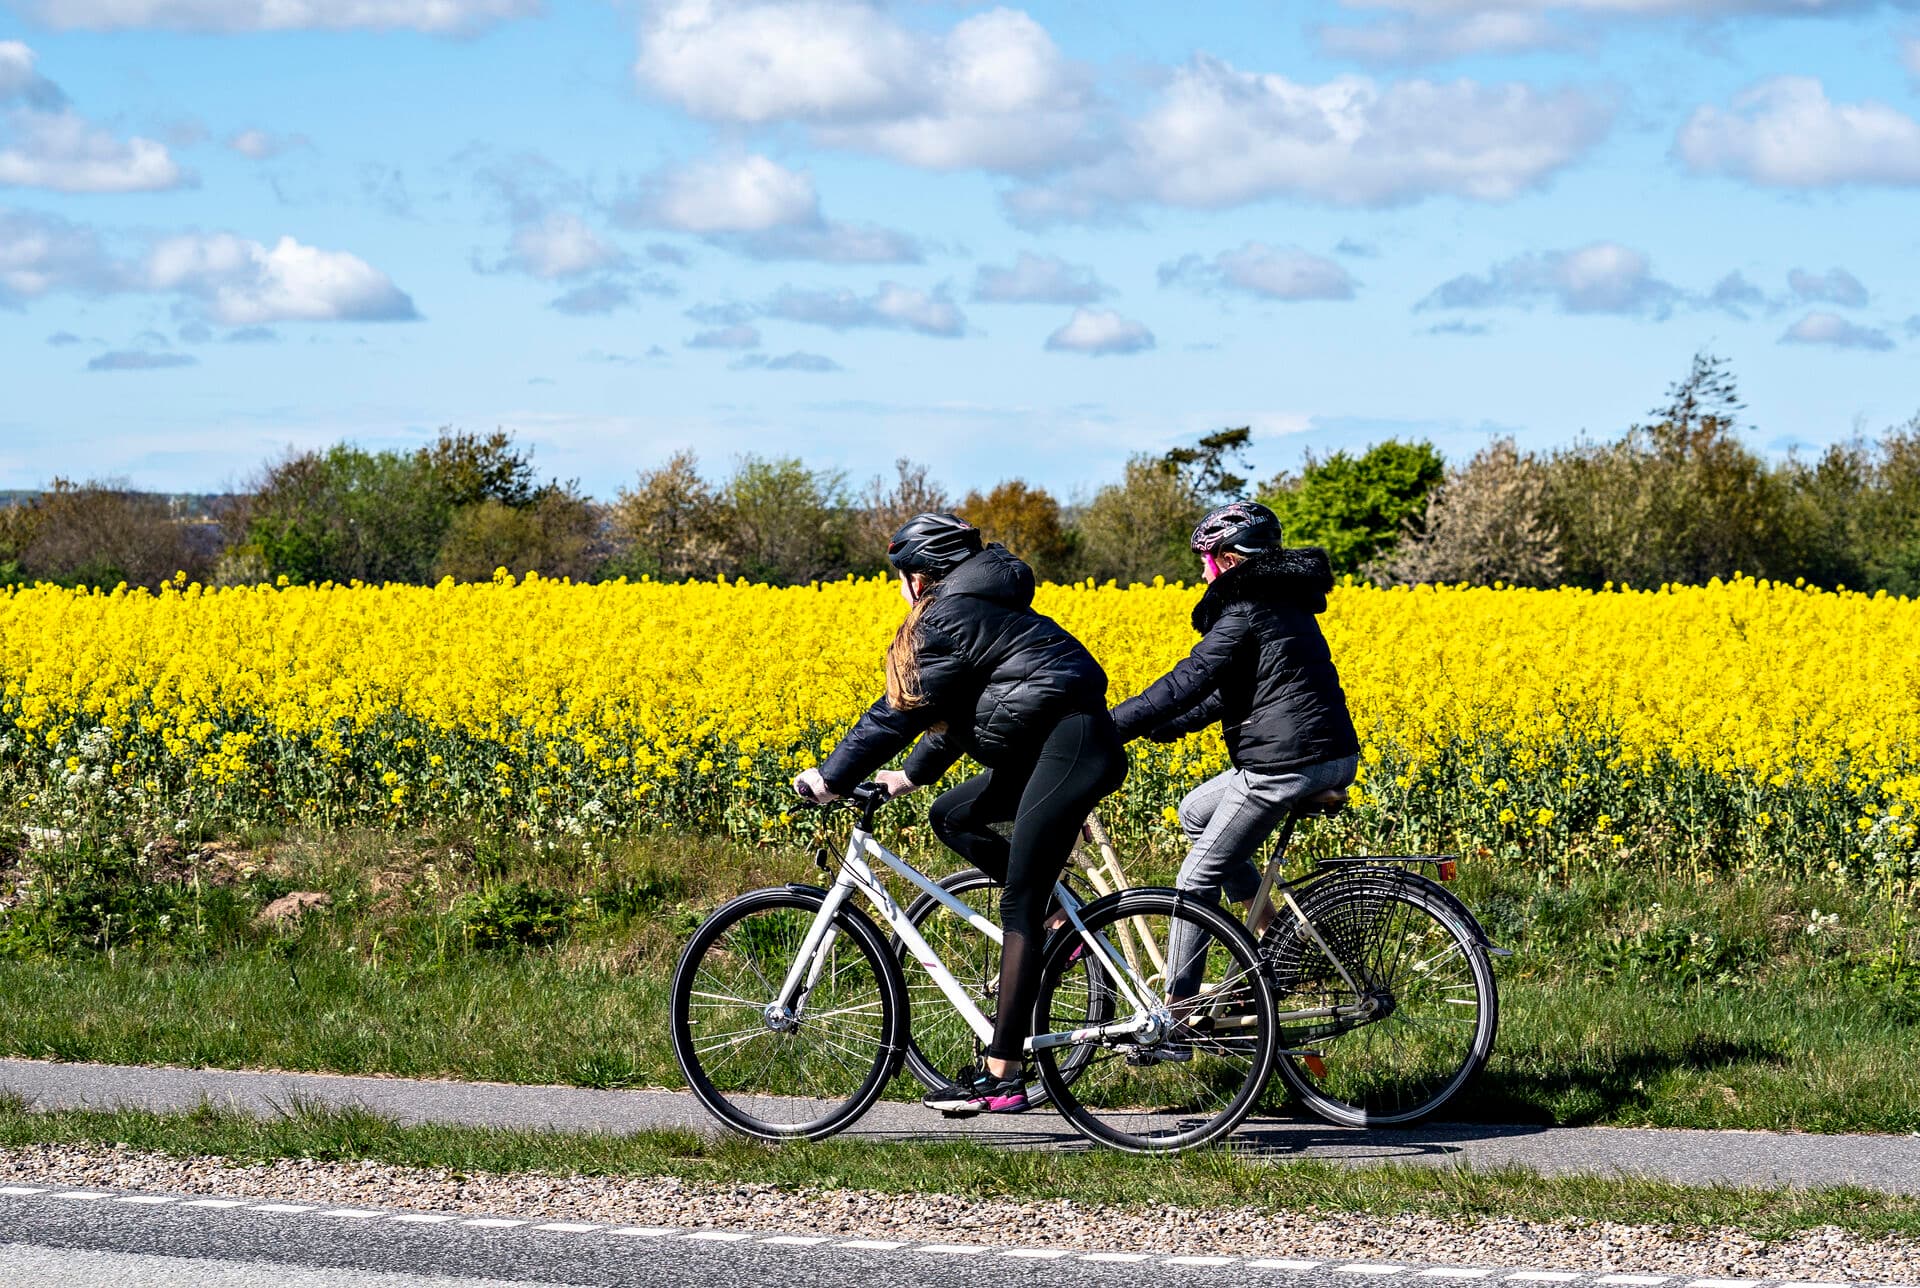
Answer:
x=896 y=783
x=812 y=786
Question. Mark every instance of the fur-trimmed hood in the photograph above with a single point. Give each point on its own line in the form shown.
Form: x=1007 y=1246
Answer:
x=1298 y=577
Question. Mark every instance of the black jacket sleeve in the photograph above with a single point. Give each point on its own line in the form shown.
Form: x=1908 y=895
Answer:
x=1188 y=685
x=1192 y=722
x=882 y=732
x=931 y=758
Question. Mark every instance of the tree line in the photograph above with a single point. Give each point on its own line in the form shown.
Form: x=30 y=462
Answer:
x=1679 y=497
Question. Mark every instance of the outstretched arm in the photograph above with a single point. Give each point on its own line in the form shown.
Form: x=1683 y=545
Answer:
x=1187 y=686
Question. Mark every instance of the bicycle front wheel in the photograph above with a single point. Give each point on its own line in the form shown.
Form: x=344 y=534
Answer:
x=1198 y=1072
x=1416 y=1024
x=805 y=1070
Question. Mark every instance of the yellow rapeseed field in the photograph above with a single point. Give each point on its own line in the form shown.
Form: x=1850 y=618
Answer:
x=1730 y=723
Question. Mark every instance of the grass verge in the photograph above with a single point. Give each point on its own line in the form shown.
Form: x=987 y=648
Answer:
x=1217 y=1179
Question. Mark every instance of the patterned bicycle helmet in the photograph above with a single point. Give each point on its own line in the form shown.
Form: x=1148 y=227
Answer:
x=1243 y=527
x=934 y=544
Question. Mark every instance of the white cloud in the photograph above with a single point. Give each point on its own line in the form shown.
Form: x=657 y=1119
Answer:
x=259 y=145
x=892 y=307
x=796 y=361
x=436 y=16
x=46 y=144
x=1835 y=286
x=1604 y=277
x=1431 y=38
x=1282 y=273
x=139 y=360
x=243 y=283
x=828 y=242
x=1786 y=133
x=993 y=92
x=1832 y=329
x=41 y=254
x=732 y=195
x=1100 y=331
x=1735 y=294
x=1218 y=136
x=737 y=336
x=1038 y=279
x=557 y=246
x=756 y=207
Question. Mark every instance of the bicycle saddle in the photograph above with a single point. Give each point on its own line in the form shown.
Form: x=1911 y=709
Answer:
x=1323 y=804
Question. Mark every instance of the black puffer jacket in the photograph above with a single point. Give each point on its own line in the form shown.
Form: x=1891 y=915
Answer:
x=996 y=673
x=1261 y=668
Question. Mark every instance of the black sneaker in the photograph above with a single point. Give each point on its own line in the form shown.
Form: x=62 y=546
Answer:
x=976 y=1091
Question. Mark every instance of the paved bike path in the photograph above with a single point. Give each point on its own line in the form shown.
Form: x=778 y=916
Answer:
x=1886 y=1163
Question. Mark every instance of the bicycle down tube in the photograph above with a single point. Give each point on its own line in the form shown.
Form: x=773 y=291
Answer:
x=857 y=874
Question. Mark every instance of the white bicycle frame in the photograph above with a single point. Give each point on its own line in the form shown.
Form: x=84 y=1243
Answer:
x=1150 y=1017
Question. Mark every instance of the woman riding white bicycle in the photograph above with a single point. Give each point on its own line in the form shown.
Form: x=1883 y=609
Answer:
x=974 y=670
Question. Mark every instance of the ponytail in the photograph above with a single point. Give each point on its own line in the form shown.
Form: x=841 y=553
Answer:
x=903 y=660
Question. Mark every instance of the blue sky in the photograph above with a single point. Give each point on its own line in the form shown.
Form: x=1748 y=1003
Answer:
x=1003 y=241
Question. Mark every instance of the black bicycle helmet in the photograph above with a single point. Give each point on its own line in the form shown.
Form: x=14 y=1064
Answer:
x=1243 y=527
x=934 y=544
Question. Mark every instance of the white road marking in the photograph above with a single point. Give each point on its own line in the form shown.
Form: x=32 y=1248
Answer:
x=20 y=1189
x=1036 y=1254
x=644 y=1231
x=1725 y=1283
x=84 y=1194
x=1125 y=1257
x=1198 y=1261
x=1371 y=1268
x=426 y=1218
x=1544 y=1276
x=800 y=1240
x=492 y=1222
x=279 y=1207
x=144 y=1200
x=1281 y=1263
x=721 y=1236
x=954 y=1249
x=215 y=1203
x=871 y=1245
x=1455 y=1272
x=353 y=1214
x=1632 y=1279
x=567 y=1227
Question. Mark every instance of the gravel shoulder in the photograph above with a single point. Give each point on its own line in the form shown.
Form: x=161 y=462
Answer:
x=1827 y=1254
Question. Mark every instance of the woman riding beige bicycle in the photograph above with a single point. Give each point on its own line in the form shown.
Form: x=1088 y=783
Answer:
x=974 y=670
x=1263 y=670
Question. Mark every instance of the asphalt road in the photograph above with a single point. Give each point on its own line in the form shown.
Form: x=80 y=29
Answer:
x=1887 y=1163
x=102 y=1239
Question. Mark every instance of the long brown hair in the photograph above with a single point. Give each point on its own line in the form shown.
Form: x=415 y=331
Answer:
x=903 y=658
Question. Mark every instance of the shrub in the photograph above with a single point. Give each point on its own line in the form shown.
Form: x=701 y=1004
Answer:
x=514 y=914
x=1356 y=507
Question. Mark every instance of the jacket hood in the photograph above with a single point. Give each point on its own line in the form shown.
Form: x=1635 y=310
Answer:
x=993 y=574
x=1295 y=577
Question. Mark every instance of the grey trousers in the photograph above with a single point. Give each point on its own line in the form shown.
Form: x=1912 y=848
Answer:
x=1227 y=819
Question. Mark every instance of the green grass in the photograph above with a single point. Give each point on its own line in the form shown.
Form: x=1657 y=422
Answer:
x=1636 y=998
x=1213 y=1179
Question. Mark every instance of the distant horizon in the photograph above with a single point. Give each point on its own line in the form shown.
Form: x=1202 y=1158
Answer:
x=1007 y=242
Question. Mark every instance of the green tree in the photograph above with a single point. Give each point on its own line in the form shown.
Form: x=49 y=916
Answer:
x=98 y=534
x=1138 y=529
x=553 y=535
x=1356 y=507
x=1677 y=499
x=1205 y=465
x=669 y=525
x=1026 y=520
x=787 y=524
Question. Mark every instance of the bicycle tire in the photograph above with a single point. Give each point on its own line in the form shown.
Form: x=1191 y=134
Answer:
x=719 y=1063
x=1200 y=1098
x=1417 y=960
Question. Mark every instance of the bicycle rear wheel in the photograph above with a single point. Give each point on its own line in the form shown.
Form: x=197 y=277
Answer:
x=779 y=1075
x=1421 y=1025
x=1187 y=1085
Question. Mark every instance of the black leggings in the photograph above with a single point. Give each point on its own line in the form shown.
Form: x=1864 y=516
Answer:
x=1046 y=797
